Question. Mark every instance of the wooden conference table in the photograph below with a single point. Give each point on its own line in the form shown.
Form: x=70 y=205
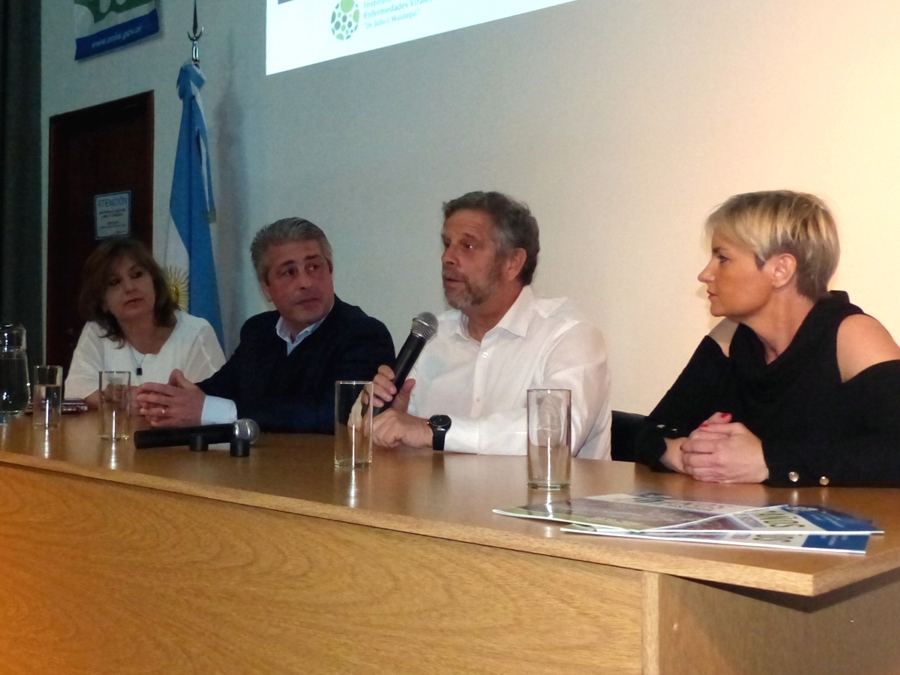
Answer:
x=114 y=560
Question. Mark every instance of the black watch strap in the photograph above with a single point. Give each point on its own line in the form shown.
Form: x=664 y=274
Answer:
x=439 y=425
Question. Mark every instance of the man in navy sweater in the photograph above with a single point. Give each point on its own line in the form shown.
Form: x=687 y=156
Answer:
x=282 y=373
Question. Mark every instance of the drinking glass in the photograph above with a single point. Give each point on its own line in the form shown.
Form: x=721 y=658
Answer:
x=352 y=423
x=48 y=394
x=115 y=388
x=549 y=438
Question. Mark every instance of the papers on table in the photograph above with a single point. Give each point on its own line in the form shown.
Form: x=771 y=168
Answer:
x=664 y=518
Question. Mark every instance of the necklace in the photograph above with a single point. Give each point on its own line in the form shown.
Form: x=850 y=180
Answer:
x=138 y=370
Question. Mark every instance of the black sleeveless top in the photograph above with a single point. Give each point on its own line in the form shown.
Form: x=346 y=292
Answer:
x=814 y=428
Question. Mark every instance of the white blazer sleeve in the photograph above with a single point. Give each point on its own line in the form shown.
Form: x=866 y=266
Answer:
x=205 y=356
x=87 y=362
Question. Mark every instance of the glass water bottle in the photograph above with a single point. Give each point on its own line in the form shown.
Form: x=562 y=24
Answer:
x=14 y=385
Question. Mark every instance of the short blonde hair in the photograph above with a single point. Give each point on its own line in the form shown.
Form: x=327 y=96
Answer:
x=776 y=222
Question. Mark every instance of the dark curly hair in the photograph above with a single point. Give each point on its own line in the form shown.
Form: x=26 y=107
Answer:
x=96 y=278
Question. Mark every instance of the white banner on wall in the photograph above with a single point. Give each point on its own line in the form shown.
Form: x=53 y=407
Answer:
x=302 y=32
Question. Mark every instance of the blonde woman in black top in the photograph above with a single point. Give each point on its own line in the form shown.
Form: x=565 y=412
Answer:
x=796 y=385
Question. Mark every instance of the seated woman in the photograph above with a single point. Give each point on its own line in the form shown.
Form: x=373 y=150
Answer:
x=133 y=324
x=796 y=386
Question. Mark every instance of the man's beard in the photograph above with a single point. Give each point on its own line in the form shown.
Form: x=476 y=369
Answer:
x=470 y=295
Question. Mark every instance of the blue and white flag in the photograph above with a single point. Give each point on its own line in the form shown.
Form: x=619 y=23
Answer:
x=101 y=25
x=189 y=263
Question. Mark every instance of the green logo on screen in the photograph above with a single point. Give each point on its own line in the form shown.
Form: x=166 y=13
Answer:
x=344 y=19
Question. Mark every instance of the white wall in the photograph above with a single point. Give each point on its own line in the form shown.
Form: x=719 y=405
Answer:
x=622 y=123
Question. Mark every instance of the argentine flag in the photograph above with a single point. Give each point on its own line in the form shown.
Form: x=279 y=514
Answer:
x=189 y=263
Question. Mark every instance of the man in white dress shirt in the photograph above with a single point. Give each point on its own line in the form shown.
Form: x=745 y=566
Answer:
x=467 y=391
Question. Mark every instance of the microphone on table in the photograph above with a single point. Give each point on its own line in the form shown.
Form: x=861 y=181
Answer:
x=240 y=435
x=424 y=327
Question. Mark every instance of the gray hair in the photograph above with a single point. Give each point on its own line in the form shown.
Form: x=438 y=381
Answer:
x=285 y=231
x=514 y=226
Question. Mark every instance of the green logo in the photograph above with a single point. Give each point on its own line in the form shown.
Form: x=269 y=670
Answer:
x=344 y=19
x=97 y=9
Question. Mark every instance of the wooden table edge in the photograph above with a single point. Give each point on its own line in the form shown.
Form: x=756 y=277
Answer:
x=779 y=581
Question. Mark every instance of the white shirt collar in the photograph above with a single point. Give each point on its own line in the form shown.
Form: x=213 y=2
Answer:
x=284 y=332
x=518 y=317
x=515 y=321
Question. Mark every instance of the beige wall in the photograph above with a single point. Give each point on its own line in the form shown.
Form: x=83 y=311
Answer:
x=621 y=122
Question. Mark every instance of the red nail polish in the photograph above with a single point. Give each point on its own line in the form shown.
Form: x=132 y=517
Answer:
x=704 y=425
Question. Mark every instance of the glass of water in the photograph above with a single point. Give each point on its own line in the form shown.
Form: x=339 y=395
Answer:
x=14 y=387
x=48 y=395
x=549 y=438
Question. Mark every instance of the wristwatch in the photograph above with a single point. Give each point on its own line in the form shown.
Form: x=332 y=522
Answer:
x=439 y=425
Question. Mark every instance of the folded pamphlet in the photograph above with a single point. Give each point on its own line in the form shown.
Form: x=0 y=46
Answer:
x=664 y=518
x=821 y=543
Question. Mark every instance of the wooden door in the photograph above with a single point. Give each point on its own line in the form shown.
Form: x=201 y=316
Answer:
x=101 y=150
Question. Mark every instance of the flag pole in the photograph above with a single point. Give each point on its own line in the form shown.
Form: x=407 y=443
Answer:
x=195 y=38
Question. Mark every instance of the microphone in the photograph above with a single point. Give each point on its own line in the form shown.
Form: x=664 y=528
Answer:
x=424 y=327
x=240 y=434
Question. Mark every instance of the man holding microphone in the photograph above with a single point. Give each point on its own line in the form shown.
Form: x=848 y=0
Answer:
x=467 y=391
